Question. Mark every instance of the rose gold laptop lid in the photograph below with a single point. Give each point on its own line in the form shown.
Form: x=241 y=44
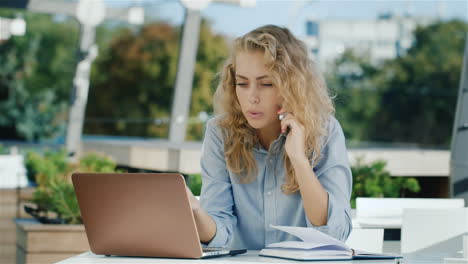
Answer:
x=137 y=214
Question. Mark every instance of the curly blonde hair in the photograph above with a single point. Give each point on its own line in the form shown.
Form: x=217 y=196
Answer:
x=302 y=90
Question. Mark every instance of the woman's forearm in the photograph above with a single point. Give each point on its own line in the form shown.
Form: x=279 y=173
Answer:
x=314 y=196
x=206 y=226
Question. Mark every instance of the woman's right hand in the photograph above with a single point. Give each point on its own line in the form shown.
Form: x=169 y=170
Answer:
x=194 y=202
x=206 y=226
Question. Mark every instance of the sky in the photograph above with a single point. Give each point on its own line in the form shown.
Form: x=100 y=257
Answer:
x=234 y=21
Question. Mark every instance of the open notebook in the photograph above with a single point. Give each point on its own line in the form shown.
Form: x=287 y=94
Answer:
x=315 y=245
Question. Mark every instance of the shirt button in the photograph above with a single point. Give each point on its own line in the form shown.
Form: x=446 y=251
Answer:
x=269 y=193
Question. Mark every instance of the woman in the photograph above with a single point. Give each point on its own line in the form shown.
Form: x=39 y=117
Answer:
x=258 y=170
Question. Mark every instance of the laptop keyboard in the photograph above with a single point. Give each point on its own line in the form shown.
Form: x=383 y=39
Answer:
x=212 y=249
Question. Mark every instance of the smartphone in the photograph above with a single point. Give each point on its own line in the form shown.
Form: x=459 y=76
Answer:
x=281 y=117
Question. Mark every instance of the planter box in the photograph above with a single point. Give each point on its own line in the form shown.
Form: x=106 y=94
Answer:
x=11 y=207
x=8 y=211
x=38 y=243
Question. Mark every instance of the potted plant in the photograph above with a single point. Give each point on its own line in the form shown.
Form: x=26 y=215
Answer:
x=56 y=231
x=373 y=180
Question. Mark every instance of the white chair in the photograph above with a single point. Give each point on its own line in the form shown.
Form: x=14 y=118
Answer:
x=423 y=228
x=388 y=212
x=12 y=171
x=370 y=240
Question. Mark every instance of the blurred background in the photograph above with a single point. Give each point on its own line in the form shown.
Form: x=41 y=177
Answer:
x=127 y=85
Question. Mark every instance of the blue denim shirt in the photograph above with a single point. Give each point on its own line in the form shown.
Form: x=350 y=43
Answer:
x=243 y=212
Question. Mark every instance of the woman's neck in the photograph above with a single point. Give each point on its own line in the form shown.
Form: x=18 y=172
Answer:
x=268 y=134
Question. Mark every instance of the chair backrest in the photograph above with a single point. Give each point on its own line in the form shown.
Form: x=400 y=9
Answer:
x=370 y=240
x=393 y=207
x=12 y=171
x=423 y=228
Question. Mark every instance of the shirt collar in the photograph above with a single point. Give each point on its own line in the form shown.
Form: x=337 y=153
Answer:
x=275 y=147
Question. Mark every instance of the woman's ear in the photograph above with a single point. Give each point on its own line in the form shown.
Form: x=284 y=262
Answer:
x=279 y=108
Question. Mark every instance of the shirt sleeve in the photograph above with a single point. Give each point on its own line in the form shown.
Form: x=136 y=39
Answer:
x=216 y=193
x=334 y=173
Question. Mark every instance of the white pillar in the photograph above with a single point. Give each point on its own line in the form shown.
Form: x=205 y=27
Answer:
x=459 y=149
x=184 y=79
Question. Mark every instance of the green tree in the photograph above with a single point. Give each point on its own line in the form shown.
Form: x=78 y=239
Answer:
x=212 y=52
x=407 y=99
x=350 y=78
x=418 y=91
x=54 y=42
x=133 y=81
x=35 y=77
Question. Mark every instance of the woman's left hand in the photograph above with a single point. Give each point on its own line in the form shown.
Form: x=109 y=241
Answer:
x=295 y=140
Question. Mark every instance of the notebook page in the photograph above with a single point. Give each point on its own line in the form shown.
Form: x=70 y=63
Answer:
x=305 y=245
x=295 y=244
x=310 y=235
x=300 y=254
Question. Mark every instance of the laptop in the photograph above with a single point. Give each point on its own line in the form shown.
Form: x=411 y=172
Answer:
x=140 y=214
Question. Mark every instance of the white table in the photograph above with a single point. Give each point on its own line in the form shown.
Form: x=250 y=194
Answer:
x=250 y=257
x=375 y=222
x=429 y=256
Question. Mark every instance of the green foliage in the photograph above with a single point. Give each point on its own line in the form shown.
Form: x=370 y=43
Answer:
x=411 y=98
x=133 y=80
x=3 y=150
x=195 y=184
x=94 y=162
x=356 y=100
x=418 y=91
x=36 y=72
x=373 y=180
x=35 y=117
x=211 y=53
x=52 y=173
x=408 y=99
